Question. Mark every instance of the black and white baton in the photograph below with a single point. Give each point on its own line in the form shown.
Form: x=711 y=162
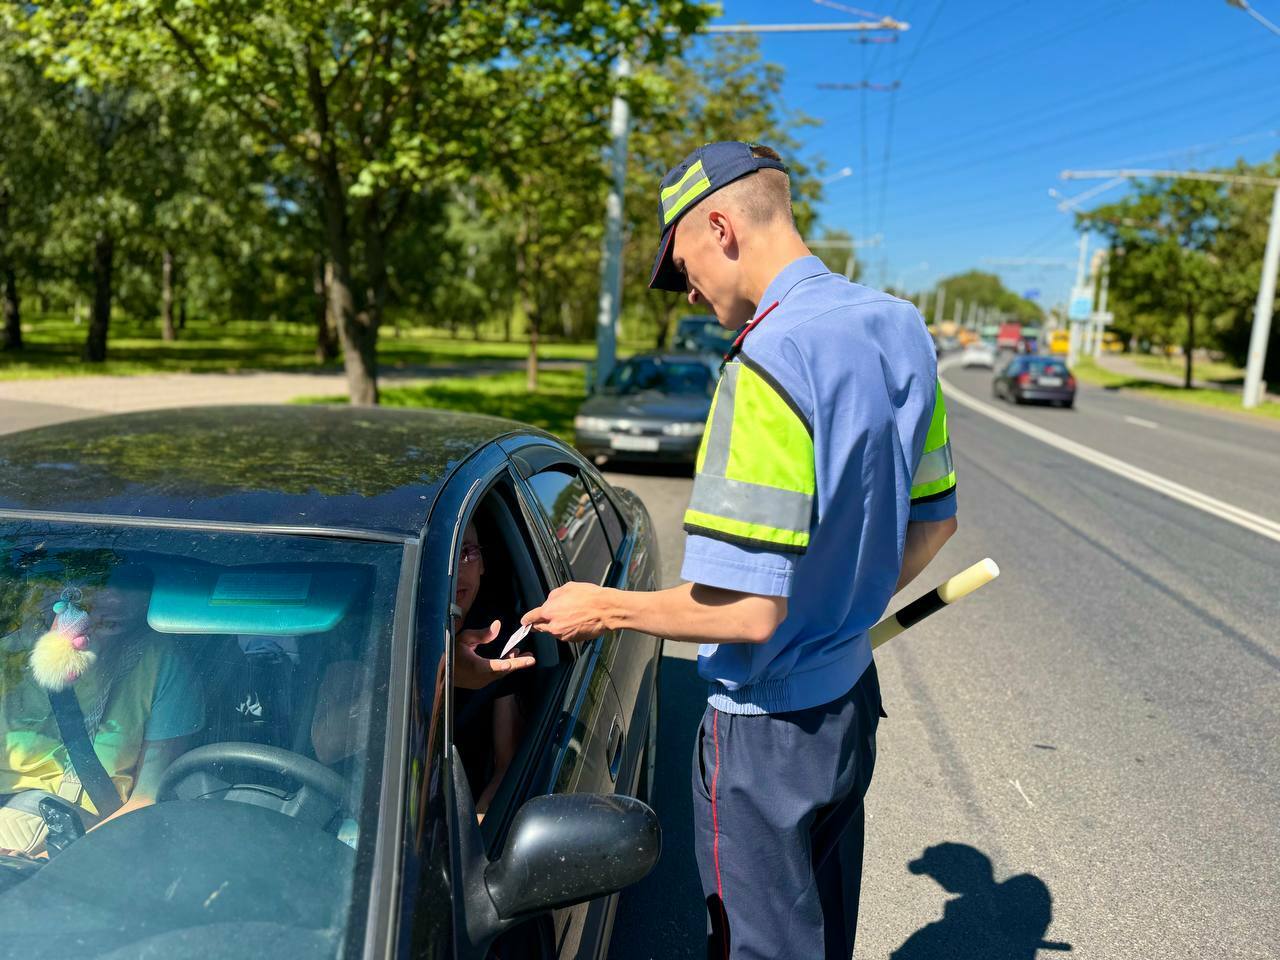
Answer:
x=961 y=585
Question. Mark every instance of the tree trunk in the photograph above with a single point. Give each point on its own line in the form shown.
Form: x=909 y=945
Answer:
x=664 y=323
x=11 y=332
x=529 y=307
x=353 y=332
x=182 y=313
x=1189 y=347
x=326 y=335
x=377 y=289
x=95 y=345
x=167 y=273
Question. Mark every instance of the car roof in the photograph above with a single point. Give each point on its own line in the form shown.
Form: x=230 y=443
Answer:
x=354 y=468
x=673 y=356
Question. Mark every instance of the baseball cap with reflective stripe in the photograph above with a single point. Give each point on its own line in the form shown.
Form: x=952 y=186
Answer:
x=698 y=175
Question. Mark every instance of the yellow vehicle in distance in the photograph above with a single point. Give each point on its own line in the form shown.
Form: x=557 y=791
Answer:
x=1059 y=343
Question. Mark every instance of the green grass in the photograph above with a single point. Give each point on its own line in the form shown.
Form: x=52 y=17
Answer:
x=53 y=344
x=1087 y=369
x=1211 y=370
x=560 y=392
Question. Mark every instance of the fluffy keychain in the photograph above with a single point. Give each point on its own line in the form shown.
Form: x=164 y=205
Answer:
x=62 y=655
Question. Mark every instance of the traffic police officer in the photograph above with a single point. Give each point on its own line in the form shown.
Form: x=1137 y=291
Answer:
x=824 y=484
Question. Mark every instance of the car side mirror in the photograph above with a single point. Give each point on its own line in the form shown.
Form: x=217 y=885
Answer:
x=564 y=849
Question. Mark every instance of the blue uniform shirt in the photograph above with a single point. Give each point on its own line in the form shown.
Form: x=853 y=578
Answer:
x=858 y=366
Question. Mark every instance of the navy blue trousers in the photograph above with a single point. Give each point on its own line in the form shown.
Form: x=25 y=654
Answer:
x=778 y=826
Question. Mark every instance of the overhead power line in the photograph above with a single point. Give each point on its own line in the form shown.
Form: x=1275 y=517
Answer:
x=861 y=85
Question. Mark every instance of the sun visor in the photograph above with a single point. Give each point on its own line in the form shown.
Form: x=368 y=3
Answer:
x=269 y=600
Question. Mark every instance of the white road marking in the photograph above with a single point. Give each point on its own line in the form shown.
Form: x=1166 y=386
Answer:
x=1018 y=787
x=1139 y=422
x=1194 y=498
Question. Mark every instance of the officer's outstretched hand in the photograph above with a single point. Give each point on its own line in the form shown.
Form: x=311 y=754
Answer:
x=573 y=613
x=472 y=670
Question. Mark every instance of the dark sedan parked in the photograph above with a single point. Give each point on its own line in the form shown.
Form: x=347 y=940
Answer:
x=1031 y=378
x=299 y=574
x=654 y=406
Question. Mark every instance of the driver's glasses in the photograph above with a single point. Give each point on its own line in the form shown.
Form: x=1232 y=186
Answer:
x=470 y=554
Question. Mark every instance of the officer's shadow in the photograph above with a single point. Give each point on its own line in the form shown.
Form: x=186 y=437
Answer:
x=988 y=920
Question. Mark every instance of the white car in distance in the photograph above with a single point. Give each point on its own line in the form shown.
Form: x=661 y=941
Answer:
x=979 y=355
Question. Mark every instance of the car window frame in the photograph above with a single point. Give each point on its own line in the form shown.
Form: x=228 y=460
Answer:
x=571 y=469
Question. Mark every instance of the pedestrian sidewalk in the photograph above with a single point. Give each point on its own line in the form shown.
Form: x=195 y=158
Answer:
x=127 y=394
x=1124 y=367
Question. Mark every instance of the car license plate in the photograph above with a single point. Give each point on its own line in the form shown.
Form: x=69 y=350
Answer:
x=1050 y=381
x=635 y=444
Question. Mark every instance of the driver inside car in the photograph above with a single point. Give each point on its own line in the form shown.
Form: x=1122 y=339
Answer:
x=489 y=726
x=140 y=702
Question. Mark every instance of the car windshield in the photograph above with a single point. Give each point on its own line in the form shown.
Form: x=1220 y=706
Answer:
x=233 y=689
x=703 y=334
x=683 y=378
x=1046 y=366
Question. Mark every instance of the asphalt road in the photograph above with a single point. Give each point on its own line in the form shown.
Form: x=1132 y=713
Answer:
x=1099 y=724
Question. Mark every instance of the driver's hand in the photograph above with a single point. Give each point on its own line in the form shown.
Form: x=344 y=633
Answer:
x=471 y=671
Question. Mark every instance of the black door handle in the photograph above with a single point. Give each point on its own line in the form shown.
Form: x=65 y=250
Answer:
x=615 y=748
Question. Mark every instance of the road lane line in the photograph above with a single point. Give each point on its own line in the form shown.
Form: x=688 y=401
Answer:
x=1176 y=491
x=1138 y=421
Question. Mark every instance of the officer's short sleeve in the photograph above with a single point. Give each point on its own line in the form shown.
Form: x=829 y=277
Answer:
x=752 y=509
x=933 y=485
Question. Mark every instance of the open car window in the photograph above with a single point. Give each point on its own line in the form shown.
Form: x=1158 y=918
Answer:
x=497 y=728
x=233 y=686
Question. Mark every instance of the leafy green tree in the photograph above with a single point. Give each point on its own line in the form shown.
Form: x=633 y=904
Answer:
x=987 y=290
x=1239 y=249
x=373 y=99
x=1165 y=261
x=728 y=93
x=29 y=169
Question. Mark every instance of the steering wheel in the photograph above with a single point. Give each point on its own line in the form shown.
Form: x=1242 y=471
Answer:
x=312 y=776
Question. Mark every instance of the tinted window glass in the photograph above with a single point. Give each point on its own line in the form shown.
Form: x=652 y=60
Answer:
x=567 y=505
x=1047 y=366
x=613 y=525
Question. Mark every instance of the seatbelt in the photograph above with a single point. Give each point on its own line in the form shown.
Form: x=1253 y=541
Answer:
x=93 y=775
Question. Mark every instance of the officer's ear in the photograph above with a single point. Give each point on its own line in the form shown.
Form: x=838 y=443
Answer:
x=723 y=234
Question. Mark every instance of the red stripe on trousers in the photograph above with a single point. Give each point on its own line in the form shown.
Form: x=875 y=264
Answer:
x=715 y=828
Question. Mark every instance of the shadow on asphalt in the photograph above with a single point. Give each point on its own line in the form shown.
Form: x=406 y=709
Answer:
x=987 y=920
x=663 y=917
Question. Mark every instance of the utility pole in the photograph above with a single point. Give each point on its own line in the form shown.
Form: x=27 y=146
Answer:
x=938 y=307
x=1073 y=325
x=1254 y=388
x=609 y=303
x=1101 y=315
x=1265 y=305
x=959 y=315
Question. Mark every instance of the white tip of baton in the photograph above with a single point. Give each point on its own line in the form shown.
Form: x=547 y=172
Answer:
x=968 y=580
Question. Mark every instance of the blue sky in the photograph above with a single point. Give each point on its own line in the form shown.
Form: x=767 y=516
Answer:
x=996 y=99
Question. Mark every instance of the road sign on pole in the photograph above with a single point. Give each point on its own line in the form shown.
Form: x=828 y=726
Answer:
x=1081 y=303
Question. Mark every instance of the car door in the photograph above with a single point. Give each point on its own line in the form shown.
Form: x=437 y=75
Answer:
x=560 y=499
x=632 y=657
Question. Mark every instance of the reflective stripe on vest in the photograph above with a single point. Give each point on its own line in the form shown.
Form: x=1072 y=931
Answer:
x=935 y=475
x=755 y=481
